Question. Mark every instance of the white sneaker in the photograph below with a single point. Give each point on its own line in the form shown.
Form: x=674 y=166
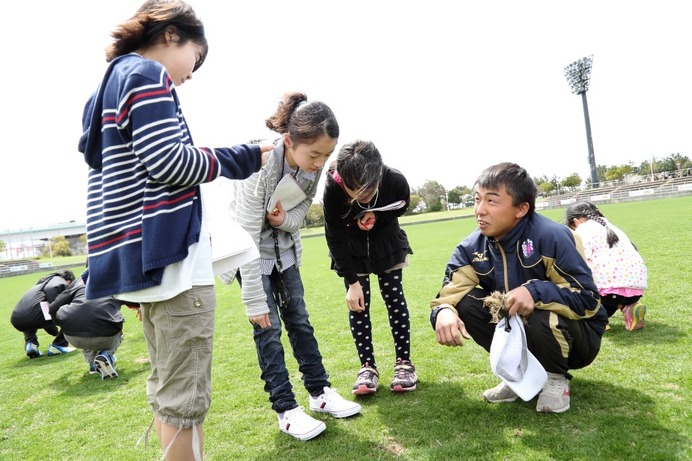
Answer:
x=500 y=393
x=554 y=398
x=334 y=404
x=300 y=425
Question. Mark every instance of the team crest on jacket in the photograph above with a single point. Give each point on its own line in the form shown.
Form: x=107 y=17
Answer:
x=479 y=257
x=527 y=248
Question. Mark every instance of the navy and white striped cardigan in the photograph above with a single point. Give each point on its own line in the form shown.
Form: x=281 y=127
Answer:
x=143 y=206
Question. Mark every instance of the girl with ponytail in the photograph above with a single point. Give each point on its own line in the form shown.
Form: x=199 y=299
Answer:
x=618 y=268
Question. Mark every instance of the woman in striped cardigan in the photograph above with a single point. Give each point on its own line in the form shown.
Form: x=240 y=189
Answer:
x=147 y=235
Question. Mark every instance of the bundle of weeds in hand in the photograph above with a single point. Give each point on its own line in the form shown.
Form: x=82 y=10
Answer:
x=496 y=303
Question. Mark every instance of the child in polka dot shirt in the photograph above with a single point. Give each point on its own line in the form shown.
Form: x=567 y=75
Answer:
x=618 y=268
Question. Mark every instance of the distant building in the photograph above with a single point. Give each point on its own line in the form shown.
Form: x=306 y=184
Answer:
x=30 y=242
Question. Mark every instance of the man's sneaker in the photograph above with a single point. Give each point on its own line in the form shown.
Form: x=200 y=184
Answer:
x=334 y=404
x=104 y=365
x=554 y=398
x=405 y=377
x=32 y=350
x=300 y=425
x=634 y=316
x=54 y=349
x=367 y=381
x=499 y=394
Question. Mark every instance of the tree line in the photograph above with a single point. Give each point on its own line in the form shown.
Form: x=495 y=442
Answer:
x=433 y=196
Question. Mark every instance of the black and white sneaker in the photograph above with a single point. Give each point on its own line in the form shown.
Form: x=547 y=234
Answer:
x=104 y=365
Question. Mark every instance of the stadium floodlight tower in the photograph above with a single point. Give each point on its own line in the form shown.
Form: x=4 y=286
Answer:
x=578 y=75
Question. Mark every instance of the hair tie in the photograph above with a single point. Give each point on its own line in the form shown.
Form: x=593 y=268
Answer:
x=336 y=177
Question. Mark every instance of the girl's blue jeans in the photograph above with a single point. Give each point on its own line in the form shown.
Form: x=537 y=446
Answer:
x=289 y=309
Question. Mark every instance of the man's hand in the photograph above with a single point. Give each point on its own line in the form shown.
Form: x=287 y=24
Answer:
x=519 y=301
x=449 y=329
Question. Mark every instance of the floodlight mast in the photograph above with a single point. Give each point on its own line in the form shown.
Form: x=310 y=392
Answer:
x=578 y=75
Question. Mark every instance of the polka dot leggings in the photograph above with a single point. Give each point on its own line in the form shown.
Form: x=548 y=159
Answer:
x=361 y=328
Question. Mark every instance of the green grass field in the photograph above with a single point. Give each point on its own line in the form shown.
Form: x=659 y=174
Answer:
x=632 y=403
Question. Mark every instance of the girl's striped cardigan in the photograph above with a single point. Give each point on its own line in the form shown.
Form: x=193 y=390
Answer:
x=144 y=207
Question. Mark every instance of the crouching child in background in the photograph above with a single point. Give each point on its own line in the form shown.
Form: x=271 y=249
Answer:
x=93 y=325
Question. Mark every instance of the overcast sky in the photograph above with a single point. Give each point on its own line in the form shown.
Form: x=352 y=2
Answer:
x=443 y=88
